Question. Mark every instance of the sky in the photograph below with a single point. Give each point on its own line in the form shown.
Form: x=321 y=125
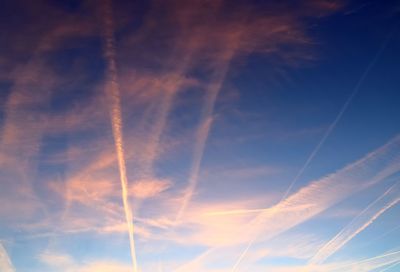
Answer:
x=199 y=136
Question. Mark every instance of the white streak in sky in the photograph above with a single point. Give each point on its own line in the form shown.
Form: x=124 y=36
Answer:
x=390 y=267
x=371 y=263
x=326 y=135
x=340 y=114
x=5 y=262
x=387 y=200
x=324 y=193
x=204 y=129
x=113 y=93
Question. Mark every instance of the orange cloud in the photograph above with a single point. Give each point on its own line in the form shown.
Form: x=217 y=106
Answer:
x=5 y=262
x=147 y=188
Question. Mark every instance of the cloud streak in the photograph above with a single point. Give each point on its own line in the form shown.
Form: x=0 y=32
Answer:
x=387 y=200
x=322 y=194
x=5 y=261
x=340 y=114
x=113 y=94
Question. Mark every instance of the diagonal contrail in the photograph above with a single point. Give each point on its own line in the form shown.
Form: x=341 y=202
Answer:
x=5 y=262
x=113 y=94
x=203 y=131
x=390 y=267
x=340 y=114
x=371 y=263
x=389 y=198
x=326 y=135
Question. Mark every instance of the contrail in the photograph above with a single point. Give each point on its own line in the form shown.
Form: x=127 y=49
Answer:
x=195 y=263
x=113 y=94
x=373 y=168
x=249 y=211
x=382 y=235
x=340 y=114
x=235 y=212
x=389 y=198
x=171 y=86
x=390 y=267
x=5 y=262
x=372 y=263
x=328 y=132
x=203 y=130
x=163 y=110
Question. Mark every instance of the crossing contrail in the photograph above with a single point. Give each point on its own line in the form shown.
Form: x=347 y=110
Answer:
x=340 y=114
x=371 y=263
x=202 y=133
x=390 y=267
x=389 y=198
x=113 y=94
x=327 y=133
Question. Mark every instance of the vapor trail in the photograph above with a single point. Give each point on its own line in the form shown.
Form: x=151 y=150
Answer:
x=372 y=263
x=383 y=234
x=328 y=132
x=5 y=262
x=163 y=110
x=389 y=198
x=203 y=131
x=113 y=94
x=194 y=264
x=309 y=201
x=171 y=86
x=235 y=212
x=390 y=267
x=340 y=114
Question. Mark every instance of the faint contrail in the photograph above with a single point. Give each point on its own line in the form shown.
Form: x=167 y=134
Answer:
x=372 y=263
x=382 y=235
x=163 y=110
x=203 y=130
x=373 y=168
x=235 y=212
x=5 y=262
x=340 y=114
x=390 y=267
x=328 y=132
x=195 y=263
x=389 y=198
x=113 y=94
x=170 y=87
x=249 y=211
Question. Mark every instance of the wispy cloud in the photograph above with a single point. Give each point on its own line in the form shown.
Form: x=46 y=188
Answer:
x=66 y=263
x=168 y=74
x=237 y=38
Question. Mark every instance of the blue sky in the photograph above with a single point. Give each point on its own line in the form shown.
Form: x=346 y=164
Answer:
x=199 y=136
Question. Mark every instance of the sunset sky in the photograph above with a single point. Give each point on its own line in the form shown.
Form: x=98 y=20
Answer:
x=199 y=135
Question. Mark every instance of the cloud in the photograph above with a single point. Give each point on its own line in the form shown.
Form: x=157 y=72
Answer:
x=65 y=263
x=233 y=35
x=206 y=224
x=191 y=50
x=5 y=261
x=149 y=188
x=59 y=261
